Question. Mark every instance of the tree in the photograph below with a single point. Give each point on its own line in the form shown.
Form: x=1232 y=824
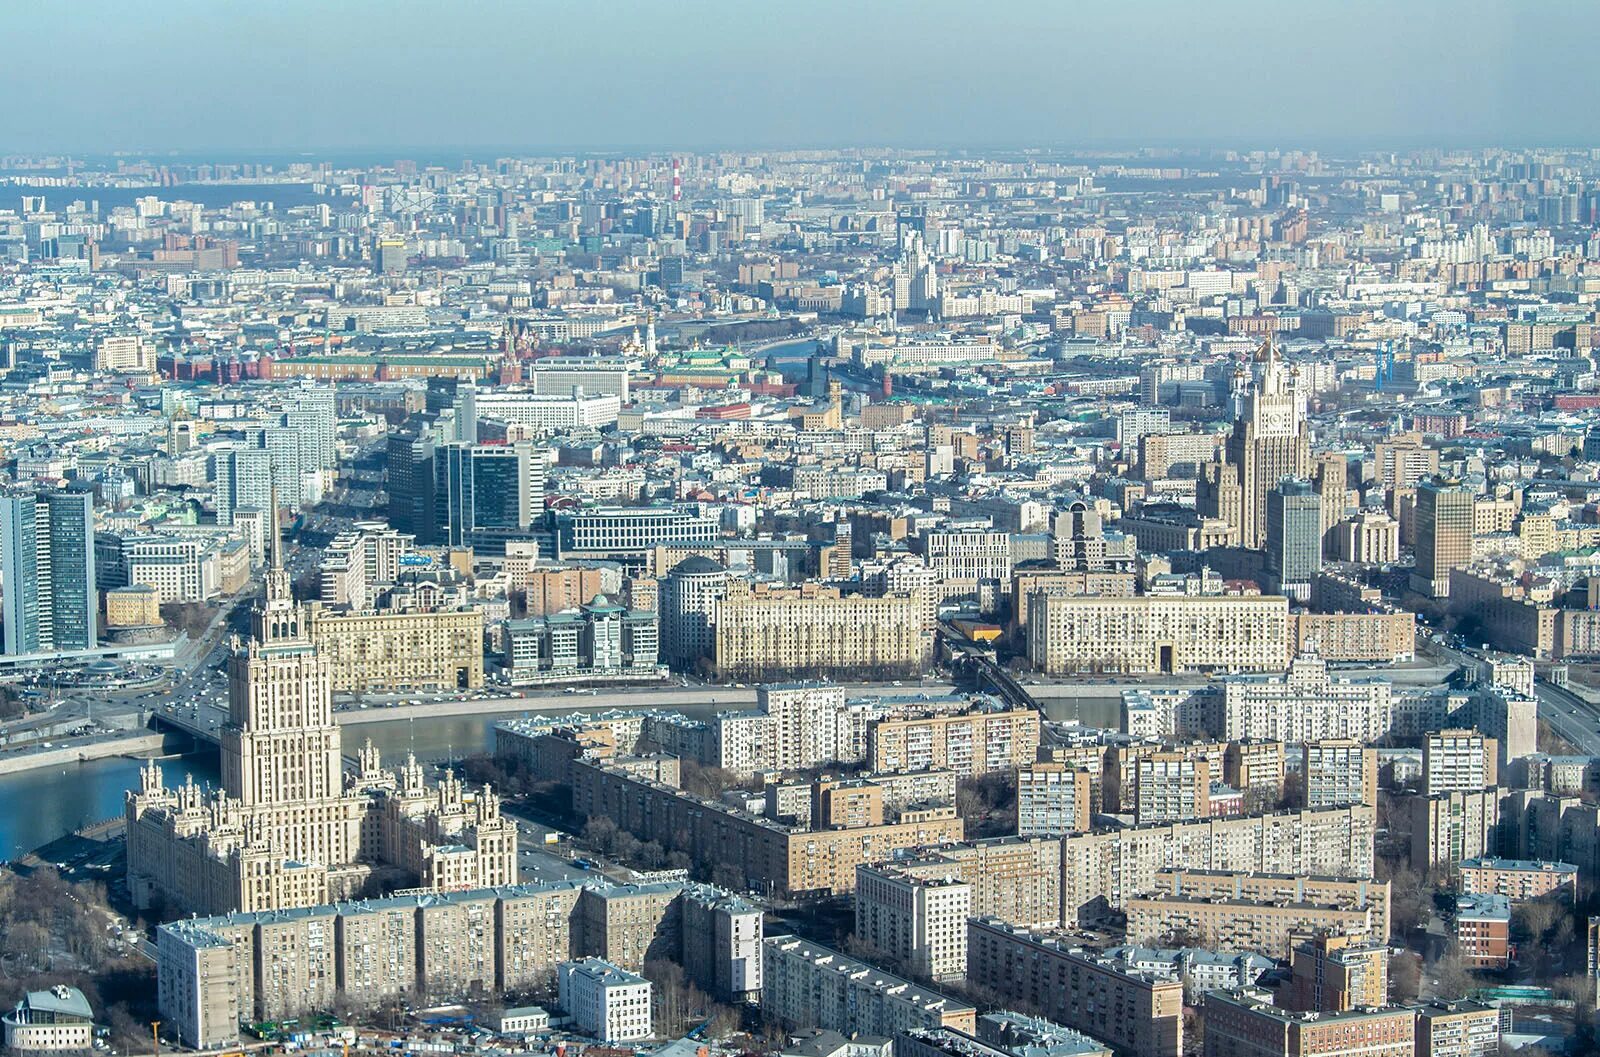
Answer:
x=1405 y=977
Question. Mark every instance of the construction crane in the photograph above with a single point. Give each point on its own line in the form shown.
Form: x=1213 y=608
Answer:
x=1384 y=371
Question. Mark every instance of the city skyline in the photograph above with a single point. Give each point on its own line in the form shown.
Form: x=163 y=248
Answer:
x=550 y=77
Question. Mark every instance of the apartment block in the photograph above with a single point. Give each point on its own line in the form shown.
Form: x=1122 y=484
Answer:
x=1517 y=879
x=807 y=984
x=920 y=922
x=1461 y=1028
x=1053 y=799
x=969 y=743
x=1156 y=634
x=1236 y=1024
x=1458 y=759
x=1132 y=1011
x=1450 y=827
x=1338 y=771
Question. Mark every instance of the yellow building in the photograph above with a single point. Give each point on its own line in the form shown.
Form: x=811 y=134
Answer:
x=403 y=649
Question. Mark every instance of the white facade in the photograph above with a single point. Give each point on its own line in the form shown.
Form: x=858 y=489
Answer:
x=606 y=1002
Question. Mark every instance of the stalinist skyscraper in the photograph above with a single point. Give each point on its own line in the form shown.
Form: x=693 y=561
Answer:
x=289 y=828
x=1271 y=440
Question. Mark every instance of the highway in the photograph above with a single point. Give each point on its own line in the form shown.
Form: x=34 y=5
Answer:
x=1570 y=716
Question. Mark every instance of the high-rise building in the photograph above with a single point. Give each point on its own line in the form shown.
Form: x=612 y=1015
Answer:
x=409 y=480
x=48 y=561
x=1444 y=526
x=1294 y=538
x=1270 y=441
x=391 y=255
x=1453 y=760
x=1337 y=771
x=486 y=494
x=244 y=479
x=689 y=596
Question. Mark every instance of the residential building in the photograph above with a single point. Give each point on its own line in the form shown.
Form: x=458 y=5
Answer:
x=808 y=984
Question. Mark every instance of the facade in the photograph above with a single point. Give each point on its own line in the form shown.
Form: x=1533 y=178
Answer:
x=1305 y=703
x=1333 y=973
x=47 y=566
x=288 y=829
x=1517 y=879
x=627 y=534
x=969 y=743
x=1458 y=759
x=689 y=595
x=1236 y=1024
x=1293 y=538
x=764 y=632
x=919 y=922
x=487 y=493
x=1444 y=530
x=1337 y=771
x=596 y=641
x=1131 y=1010
x=1171 y=787
x=1483 y=931
x=605 y=1002
x=244 y=481
x=1271 y=440
x=1450 y=827
x=807 y=984
x=401 y=648
x=1156 y=634
x=279 y=965
x=770 y=856
x=1461 y=1028
x=1053 y=799
x=55 y=1021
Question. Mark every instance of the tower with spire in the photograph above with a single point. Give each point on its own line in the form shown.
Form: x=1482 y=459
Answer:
x=288 y=829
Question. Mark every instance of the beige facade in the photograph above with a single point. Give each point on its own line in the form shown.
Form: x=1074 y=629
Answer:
x=284 y=964
x=919 y=922
x=766 y=632
x=287 y=829
x=137 y=605
x=1132 y=1011
x=1378 y=637
x=1235 y=1024
x=968 y=743
x=405 y=649
x=1157 y=633
x=1450 y=827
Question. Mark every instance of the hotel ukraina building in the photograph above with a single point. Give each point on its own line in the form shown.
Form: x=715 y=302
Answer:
x=289 y=829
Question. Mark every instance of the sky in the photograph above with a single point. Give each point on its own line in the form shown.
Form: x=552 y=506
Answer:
x=279 y=76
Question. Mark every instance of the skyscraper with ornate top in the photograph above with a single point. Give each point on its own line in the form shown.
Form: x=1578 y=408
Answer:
x=289 y=828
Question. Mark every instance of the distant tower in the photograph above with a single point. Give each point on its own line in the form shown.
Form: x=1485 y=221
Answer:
x=677 y=182
x=650 y=336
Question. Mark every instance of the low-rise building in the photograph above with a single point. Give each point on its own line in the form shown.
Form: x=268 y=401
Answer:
x=1460 y=1028
x=1483 y=931
x=54 y=1021
x=1517 y=879
x=604 y=1001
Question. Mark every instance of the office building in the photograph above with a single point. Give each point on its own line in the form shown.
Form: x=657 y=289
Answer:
x=487 y=494
x=58 y=1020
x=244 y=481
x=1293 y=538
x=689 y=595
x=1444 y=531
x=597 y=640
x=47 y=558
x=605 y=1002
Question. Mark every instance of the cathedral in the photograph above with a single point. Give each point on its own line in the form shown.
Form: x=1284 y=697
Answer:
x=289 y=828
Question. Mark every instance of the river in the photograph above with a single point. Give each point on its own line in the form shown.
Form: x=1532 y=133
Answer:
x=38 y=806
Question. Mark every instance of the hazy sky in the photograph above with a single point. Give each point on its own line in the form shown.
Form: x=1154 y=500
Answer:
x=284 y=75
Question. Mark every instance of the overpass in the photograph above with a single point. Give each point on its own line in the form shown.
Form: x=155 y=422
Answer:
x=986 y=671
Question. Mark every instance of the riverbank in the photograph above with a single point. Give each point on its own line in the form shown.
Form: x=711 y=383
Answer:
x=131 y=743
